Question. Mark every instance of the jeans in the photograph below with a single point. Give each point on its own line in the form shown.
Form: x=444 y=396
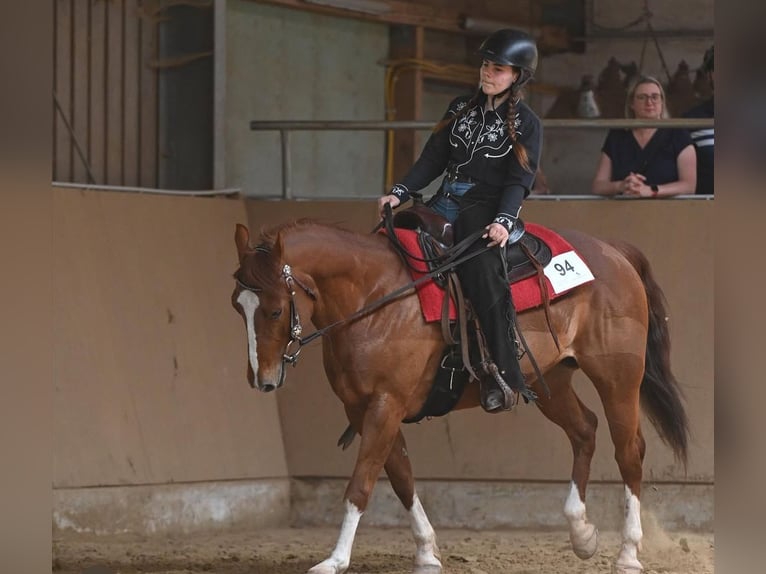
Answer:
x=448 y=206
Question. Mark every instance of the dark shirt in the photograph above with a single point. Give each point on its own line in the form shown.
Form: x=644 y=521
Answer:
x=704 y=143
x=657 y=161
x=478 y=145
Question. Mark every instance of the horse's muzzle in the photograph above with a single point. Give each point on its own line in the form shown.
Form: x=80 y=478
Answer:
x=271 y=381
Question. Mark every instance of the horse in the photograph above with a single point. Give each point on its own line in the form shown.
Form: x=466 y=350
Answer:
x=614 y=329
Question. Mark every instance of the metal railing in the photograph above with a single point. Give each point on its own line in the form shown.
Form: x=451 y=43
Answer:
x=148 y=190
x=286 y=127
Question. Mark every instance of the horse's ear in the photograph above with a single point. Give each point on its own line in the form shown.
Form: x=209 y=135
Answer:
x=242 y=239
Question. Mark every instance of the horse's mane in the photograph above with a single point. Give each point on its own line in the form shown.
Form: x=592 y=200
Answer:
x=261 y=268
x=269 y=235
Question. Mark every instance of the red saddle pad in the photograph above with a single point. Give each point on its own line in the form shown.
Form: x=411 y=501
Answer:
x=526 y=293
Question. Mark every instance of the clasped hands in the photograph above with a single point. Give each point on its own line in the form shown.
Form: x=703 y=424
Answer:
x=634 y=185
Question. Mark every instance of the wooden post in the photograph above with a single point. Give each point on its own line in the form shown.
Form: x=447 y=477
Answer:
x=406 y=42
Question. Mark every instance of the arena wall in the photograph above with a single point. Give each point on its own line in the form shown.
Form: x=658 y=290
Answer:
x=155 y=425
x=156 y=429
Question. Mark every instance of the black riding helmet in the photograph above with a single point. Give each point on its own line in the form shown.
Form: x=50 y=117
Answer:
x=510 y=47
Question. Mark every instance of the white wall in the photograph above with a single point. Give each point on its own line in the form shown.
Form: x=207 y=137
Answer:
x=286 y=64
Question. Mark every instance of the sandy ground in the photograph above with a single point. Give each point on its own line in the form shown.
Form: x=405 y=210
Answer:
x=376 y=551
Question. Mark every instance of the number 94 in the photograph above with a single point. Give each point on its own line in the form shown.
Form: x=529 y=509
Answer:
x=563 y=269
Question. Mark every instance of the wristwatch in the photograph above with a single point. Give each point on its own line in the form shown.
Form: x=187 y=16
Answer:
x=655 y=190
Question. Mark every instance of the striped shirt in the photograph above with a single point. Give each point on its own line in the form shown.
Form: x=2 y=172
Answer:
x=704 y=143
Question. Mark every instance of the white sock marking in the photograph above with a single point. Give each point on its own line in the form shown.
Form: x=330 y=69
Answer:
x=249 y=302
x=582 y=533
x=425 y=538
x=341 y=556
x=631 y=534
x=574 y=507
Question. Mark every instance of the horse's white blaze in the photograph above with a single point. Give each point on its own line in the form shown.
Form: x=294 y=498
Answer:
x=582 y=533
x=425 y=538
x=341 y=557
x=627 y=561
x=249 y=302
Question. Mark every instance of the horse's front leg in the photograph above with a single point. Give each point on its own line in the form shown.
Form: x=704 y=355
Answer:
x=380 y=425
x=399 y=473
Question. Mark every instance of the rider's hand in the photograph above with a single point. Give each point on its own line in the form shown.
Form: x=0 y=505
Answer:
x=391 y=200
x=497 y=235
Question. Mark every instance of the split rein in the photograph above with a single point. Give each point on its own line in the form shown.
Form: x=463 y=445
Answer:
x=451 y=259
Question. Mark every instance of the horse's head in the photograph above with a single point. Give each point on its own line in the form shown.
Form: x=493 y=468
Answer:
x=264 y=296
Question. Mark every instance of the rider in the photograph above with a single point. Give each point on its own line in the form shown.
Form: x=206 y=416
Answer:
x=489 y=144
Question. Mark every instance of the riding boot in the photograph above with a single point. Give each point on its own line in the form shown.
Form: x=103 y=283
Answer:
x=507 y=379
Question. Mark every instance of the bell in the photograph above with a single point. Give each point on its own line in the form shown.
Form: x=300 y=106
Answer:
x=586 y=104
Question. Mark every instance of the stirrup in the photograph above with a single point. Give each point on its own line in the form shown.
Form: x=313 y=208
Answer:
x=509 y=395
x=526 y=393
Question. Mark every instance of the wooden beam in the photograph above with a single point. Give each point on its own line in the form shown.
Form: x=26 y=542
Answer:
x=392 y=12
x=398 y=12
x=407 y=90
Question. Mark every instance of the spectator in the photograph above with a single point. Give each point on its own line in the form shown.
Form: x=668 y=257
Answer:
x=646 y=162
x=703 y=138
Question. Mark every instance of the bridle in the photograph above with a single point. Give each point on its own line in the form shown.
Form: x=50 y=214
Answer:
x=456 y=256
x=296 y=329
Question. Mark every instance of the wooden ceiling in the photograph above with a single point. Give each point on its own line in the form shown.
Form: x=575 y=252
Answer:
x=553 y=22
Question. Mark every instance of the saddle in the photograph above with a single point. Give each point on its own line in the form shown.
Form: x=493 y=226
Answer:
x=526 y=255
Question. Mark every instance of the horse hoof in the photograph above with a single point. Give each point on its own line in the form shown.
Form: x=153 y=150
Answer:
x=627 y=569
x=326 y=568
x=427 y=569
x=586 y=545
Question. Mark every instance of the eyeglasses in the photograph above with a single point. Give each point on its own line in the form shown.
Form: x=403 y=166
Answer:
x=647 y=97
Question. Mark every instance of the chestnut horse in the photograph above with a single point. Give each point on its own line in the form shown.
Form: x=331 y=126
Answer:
x=381 y=364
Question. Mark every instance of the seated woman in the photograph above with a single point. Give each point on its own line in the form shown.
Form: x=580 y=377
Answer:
x=646 y=162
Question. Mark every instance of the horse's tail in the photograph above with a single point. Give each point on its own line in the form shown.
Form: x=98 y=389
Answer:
x=661 y=395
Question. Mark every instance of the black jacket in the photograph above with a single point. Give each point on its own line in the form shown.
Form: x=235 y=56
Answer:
x=478 y=145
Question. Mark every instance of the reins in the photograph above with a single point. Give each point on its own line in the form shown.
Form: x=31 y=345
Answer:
x=387 y=223
x=451 y=259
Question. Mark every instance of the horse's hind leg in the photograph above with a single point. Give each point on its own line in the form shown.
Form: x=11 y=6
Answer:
x=618 y=382
x=579 y=423
x=399 y=472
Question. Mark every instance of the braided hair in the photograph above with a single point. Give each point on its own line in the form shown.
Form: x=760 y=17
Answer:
x=512 y=121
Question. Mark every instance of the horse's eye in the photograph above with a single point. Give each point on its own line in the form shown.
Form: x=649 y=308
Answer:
x=276 y=314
